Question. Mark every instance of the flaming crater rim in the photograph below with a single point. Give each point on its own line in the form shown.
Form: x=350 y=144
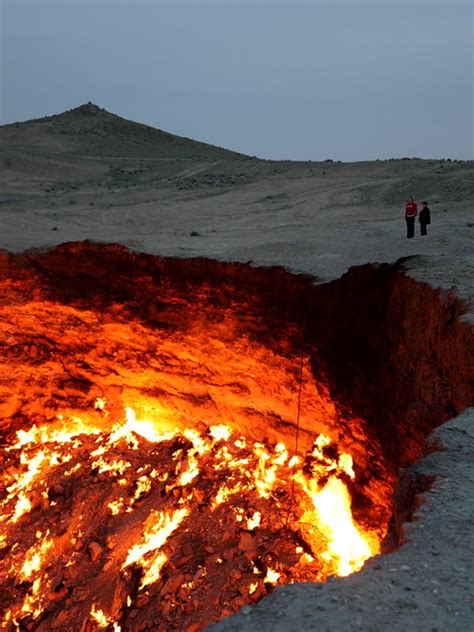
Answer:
x=339 y=356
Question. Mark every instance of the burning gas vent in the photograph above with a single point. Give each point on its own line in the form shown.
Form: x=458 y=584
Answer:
x=181 y=436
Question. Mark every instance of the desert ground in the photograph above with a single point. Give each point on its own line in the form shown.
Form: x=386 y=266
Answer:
x=87 y=174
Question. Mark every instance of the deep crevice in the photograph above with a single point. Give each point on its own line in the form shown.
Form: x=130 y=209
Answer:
x=388 y=359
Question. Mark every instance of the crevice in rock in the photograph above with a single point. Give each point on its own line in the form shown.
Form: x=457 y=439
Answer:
x=90 y=332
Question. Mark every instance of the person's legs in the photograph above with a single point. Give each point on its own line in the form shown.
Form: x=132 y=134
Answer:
x=410 y=226
x=423 y=229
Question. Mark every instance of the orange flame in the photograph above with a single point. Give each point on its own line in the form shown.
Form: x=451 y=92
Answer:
x=254 y=476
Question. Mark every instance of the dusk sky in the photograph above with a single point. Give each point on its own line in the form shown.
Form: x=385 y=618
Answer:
x=348 y=80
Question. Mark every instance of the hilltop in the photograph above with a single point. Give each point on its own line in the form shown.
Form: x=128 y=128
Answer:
x=92 y=130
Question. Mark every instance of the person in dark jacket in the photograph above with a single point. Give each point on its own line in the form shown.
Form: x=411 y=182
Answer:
x=424 y=218
x=410 y=214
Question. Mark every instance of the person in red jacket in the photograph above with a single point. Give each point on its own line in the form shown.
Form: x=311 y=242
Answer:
x=411 y=211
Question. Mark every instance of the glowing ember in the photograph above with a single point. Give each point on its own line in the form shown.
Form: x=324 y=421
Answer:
x=272 y=576
x=154 y=536
x=234 y=493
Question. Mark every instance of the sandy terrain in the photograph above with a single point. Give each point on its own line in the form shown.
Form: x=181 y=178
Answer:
x=321 y=218
x=87 y=174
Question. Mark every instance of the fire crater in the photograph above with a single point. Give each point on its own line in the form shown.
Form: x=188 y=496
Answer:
x=172 y=445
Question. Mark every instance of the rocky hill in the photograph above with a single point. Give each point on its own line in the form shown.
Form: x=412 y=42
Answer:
x=91 y=130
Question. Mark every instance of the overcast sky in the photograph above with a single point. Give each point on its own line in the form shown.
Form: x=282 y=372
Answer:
x=279 y=79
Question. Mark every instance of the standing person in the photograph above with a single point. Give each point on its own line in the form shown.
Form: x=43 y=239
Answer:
x=410 y=214
x=424 y=218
